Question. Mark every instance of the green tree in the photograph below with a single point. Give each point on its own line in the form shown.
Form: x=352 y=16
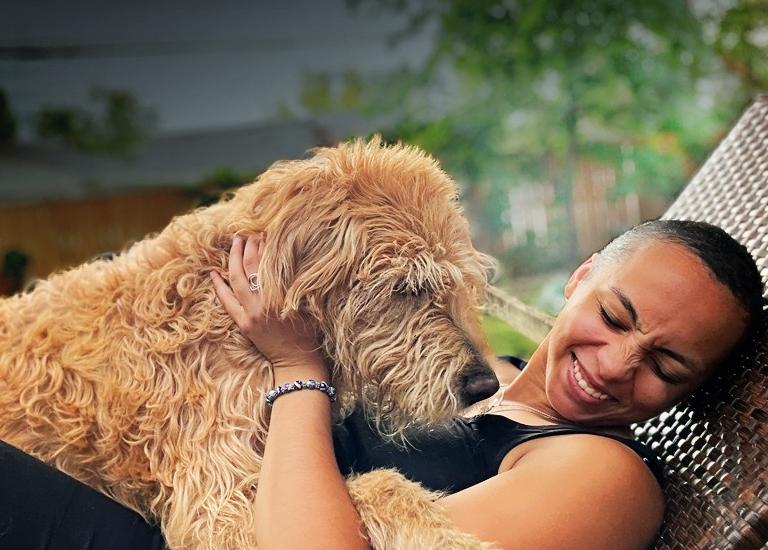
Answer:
x=520 y=91
x=122 y=125
x=742 y=41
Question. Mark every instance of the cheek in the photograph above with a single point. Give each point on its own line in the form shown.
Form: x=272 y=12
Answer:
x=655 y=395
x=575 y=331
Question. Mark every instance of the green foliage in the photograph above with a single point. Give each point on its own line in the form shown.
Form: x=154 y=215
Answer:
x=320 y=93
x=316 y=93
x=522 y=91
x=122 y=125
x=560 y=80
x=351 y=95
x=505 y=341
x=742 y=41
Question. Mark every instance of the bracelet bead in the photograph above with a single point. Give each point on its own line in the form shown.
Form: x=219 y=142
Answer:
x=310 y=384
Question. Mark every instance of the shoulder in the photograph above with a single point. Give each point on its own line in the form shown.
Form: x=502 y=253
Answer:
x=570 y=491
x=590 y=450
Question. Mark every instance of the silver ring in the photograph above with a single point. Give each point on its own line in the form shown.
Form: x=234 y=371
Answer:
x=253 y=282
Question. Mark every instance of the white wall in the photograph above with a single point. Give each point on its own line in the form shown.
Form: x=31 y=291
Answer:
x=199 y=64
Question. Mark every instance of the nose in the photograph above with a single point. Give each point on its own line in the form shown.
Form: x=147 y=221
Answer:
x=618 y=362
x=476 y=383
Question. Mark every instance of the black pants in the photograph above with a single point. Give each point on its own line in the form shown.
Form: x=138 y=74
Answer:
x=42 y=508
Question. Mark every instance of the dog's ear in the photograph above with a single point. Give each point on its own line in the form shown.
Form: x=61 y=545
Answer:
x=419 y=273
x=311 y=238
x=306 y=258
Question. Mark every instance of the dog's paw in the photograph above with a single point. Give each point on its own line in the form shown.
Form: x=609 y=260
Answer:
x=399 y=514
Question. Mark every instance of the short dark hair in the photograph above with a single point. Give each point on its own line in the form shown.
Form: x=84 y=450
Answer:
x=727 y=260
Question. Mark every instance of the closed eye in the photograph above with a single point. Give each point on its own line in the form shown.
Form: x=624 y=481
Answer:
x=610 y=321
x=616 y=325
x=658 y=371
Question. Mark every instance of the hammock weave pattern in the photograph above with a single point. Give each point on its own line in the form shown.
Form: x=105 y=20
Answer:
x=717 y=463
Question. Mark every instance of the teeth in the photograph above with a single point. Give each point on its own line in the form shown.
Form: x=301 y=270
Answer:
x=583 y=383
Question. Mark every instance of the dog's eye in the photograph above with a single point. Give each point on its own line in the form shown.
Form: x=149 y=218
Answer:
x=404 y=288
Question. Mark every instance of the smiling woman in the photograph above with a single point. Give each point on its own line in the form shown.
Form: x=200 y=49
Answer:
x=640 y=333
x=647 y=321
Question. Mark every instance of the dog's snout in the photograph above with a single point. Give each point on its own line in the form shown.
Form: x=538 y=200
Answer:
x=478 y=384
x=483 y=386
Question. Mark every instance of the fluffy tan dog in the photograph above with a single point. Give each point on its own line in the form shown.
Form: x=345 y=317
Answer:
x=129 y=376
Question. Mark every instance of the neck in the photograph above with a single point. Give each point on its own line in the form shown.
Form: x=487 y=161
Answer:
x=529 y=388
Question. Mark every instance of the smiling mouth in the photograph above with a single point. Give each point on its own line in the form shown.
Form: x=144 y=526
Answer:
x=581 y=381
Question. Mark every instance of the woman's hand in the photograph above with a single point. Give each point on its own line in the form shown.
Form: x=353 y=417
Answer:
x=290 y=344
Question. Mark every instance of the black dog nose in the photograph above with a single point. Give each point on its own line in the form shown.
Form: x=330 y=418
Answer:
x=479 y=386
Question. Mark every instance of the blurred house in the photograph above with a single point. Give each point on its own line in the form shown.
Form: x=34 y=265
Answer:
x=59 y=207
x=598 y=212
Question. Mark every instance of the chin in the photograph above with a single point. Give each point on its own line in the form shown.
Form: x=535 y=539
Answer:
x=563 y=395
x=565 y=407
x=575 y=405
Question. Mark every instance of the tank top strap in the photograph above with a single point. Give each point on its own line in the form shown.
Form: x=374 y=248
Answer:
x=498 y=435
x=516 y=361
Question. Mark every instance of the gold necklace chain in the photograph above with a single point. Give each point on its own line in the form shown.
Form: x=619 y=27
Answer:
x=517 y=407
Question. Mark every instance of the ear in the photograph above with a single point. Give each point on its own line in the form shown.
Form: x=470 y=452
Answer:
x=579 y=275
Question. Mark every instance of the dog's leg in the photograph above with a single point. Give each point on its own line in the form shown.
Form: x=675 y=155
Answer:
x=399 y=514
x=212 y=458
x=211 y=505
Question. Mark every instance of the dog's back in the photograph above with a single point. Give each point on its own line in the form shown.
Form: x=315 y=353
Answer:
x=117 y=372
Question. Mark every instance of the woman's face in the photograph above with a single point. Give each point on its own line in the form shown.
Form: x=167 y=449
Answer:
x=638 y=335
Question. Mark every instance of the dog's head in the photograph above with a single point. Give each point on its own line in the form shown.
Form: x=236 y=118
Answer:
x=370 y=240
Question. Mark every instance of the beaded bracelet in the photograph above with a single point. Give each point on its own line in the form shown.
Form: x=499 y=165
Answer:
x=299 y=385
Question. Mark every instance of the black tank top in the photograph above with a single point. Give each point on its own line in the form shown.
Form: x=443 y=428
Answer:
x=455 y=455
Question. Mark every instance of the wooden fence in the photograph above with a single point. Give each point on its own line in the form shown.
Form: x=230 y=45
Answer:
x=60 y=234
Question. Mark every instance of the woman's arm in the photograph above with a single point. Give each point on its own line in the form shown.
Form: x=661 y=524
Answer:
x=302 y=501
x=572 y=491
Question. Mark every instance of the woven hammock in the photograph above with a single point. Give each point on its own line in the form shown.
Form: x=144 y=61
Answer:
x=717 y=463
x=717 y=496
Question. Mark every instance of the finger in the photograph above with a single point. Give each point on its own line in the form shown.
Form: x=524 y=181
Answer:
x=252 y=255
x=251 y=259
x=228 y=299
x=237 y=277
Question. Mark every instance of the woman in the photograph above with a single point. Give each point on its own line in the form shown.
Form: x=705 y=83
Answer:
x=646 y=322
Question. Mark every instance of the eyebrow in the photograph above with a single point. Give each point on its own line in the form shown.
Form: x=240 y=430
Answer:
x=627 y=303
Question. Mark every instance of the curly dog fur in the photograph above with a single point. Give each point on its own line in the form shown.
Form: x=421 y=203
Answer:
x=129 y=376
x=399 y=514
